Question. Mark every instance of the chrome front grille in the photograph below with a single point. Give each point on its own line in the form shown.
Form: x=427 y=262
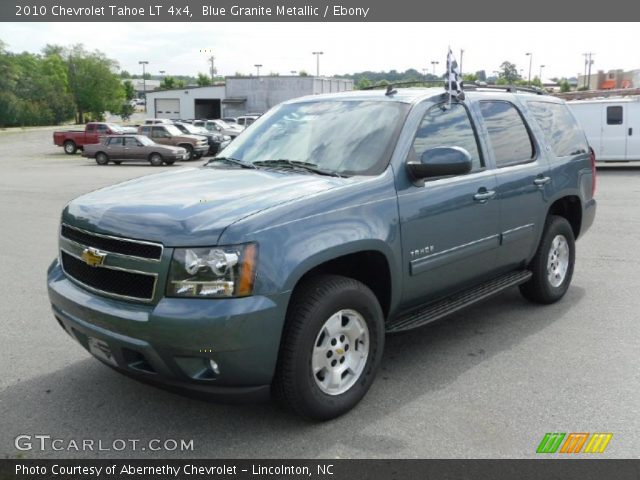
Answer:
x=107 y=243
x=129 y=269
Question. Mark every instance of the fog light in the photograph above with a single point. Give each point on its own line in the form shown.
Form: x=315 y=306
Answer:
x=214 y=366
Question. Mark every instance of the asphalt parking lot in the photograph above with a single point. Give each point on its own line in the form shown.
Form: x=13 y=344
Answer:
x=488 y=382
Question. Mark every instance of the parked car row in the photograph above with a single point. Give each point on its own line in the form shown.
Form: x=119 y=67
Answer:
x=109 y=142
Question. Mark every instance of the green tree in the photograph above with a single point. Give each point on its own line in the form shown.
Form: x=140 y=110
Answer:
x=203 y=80
x=363 y=83
x=168 y=83
x=565 y=86
x=469 y=77
x=509 y=72
x=129 y=90
x=303 y=73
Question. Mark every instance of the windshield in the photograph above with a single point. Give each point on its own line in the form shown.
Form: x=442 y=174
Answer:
x=221 y=124
x=173 y=130
x=346 y=137
x=196 y=130
x=145 y=140
x=114 y=128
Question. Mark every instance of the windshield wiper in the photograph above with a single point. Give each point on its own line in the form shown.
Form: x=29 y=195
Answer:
x=310 y=167
x=233 y=161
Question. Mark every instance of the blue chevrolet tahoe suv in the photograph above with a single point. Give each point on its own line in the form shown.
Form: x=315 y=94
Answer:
x=280 y=265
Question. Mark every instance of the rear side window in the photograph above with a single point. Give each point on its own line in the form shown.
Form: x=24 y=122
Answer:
x=614 y=115
x=447 y=127
x=115 y=141
x=508 y=134
x=130 y=142
x=560 y=128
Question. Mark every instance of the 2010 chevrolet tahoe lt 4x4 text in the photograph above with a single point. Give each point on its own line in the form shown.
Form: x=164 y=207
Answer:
x=332 y=220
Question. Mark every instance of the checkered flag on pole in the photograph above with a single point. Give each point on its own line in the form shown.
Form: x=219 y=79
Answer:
x=454 y=79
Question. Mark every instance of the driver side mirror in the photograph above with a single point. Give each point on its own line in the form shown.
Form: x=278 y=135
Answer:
x=440 y=162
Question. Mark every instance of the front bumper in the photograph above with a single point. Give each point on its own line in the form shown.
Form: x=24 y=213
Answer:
x=201 y=150
x=171 y=343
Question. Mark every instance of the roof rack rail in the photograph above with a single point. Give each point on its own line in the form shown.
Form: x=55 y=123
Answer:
x=391 y=85
x=506 y=88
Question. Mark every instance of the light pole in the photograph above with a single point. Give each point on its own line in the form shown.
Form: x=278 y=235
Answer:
x=162 y=72
x=144 y=82
x=588 y=62
x=425 y=71
x=213 y=68
x=460 y=69
x=540 y=77
x=530 y=55
x=293 y=72
x=258 y=65
x=317 y=54
x=433 y=65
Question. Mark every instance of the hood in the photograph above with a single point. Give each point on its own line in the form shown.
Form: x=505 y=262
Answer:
x=191 y=207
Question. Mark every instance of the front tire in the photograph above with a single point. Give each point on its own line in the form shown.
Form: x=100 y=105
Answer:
x=190 y=152
x=102 y=158
x=552 y=266
x=331 y=347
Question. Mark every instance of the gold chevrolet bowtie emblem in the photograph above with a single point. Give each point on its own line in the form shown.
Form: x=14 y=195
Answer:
x=93 y=257
x=339 y=351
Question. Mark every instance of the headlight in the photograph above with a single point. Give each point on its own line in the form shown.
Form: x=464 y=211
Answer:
x=213 y=272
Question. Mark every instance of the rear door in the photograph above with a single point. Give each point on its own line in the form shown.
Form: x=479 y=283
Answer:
x=522 y=172
x=132 y=149
x=450 y=229
x=633 y=130
x=614 y=133
x=114 y=147
x=159 y=134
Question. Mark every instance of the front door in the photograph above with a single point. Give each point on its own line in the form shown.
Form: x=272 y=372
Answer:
x=614 y=133
x=450 y=228
x=133 y=149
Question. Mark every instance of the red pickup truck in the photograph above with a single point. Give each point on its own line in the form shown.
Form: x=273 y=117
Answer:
x=73 y=140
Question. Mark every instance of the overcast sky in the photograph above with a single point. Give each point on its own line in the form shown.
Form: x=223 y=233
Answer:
x=347 y=47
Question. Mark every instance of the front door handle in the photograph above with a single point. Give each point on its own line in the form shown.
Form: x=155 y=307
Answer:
x=483 y=195
x=542 y=181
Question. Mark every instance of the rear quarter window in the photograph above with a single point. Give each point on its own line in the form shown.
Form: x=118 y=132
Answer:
x=560 y=128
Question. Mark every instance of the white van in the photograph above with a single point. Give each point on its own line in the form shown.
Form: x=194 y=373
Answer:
x=612 y=126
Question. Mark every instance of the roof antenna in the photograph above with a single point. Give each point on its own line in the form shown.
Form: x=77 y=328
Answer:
x=390 y=91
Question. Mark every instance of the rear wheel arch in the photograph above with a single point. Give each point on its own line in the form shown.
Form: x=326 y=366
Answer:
x=569 y=207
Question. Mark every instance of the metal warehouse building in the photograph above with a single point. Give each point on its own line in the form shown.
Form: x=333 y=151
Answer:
x=239 y=95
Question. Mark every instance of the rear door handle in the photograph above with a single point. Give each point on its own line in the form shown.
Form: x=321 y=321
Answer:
x=542 y=181
x=483 y=195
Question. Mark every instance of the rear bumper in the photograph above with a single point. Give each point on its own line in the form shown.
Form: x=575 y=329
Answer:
x=588 y=215
x=170 y=344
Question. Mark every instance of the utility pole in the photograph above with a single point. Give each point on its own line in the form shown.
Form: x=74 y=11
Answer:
x=587 y=65
x=425 y=71
x=258 y=65
x=213 y=69
x=433 y=65
x=317 y=54
x=144 y=82
x=460 y=69
x=540 y=77
x=530 y=55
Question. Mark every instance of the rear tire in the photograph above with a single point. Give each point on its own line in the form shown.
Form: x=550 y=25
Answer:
x=155 y=159
x=102 y=158
x=117 y=162
x=70 y=147
x=331 y=347
x=552 y=265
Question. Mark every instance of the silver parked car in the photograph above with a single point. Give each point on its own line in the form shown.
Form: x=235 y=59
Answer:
x=118 y=148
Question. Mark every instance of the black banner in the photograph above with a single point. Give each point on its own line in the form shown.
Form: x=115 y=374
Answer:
x=310 y=11
x=586 y=469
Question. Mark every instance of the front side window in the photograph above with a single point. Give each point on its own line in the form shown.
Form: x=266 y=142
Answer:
x=560 y=128
x=509 y=137
x=614 y=115
x=102 y=128
x=348 y=137
x=447 y=127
